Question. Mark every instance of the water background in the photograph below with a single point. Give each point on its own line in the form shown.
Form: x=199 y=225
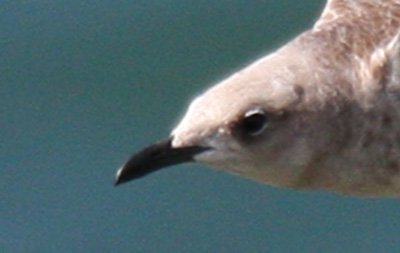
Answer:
x=83 y=84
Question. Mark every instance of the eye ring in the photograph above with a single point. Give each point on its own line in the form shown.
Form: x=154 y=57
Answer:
x=253 y=122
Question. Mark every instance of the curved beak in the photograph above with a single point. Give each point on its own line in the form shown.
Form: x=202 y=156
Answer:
x=155 y=157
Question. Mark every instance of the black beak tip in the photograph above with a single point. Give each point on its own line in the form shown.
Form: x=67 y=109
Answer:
x=155 y=157
x=118 y=178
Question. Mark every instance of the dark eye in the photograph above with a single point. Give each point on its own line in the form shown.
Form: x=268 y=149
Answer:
x=253 y=123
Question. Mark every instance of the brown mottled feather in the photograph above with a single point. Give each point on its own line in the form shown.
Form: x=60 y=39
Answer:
x=330 y=100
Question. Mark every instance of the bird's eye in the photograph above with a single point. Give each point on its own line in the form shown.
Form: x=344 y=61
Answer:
x=253 y=123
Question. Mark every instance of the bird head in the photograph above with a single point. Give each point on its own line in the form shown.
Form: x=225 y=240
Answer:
x=259 y=123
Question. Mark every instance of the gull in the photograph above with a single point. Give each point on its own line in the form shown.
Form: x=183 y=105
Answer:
x=320 y=113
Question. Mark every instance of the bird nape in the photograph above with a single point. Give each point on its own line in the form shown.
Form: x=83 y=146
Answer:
x=322 y=112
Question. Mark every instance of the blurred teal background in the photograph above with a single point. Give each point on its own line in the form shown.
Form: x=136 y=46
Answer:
x=83 y=84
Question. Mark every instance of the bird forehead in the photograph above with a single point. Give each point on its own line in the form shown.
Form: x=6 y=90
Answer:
x=261 y=85
x=231 y=100
x=217 y=108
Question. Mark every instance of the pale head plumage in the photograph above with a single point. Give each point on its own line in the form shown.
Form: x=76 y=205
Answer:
x=321 y=112
x=316 y=92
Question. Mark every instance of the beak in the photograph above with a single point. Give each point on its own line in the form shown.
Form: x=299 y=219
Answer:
x=155 y=157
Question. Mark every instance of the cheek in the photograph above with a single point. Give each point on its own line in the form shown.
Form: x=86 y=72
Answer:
x=288 y=148
x=299 y=154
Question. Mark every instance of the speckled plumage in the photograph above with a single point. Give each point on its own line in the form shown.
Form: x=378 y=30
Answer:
x=332 y=100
